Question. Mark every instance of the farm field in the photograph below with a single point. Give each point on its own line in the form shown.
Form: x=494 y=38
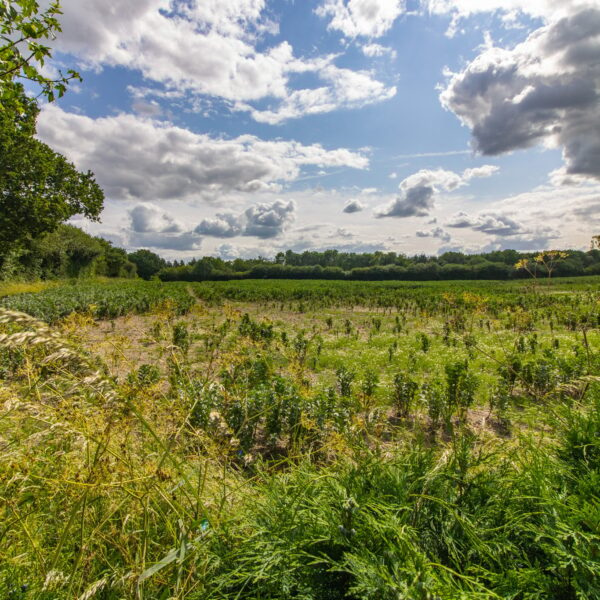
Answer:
x=300 y=440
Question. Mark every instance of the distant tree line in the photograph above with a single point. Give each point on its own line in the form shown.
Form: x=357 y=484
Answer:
x=69 y=252
x=331 y=264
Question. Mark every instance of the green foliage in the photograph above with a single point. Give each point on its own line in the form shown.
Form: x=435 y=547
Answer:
x=67 y=252
x=24 y=29
x=40 y=188
x=460 y=386
x=245 y=468
x=101 y=300
x=369 y=383
x=345 y=378
x=147 y=263
x=181 y=337
x=334 y=265
x=403 y=394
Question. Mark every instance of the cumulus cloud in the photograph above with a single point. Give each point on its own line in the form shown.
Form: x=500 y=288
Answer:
x=483 y=171
x=181 y=242
x=368 y=18
x=224 y=225
x=269 y=220
x=540 y=239
x=146 y=108
x=353 y=206
x=510 y=9
x=263 y=220
x=151 y=227
x=208 y=47
x=487 y=222
x=417 y=191
x=344 y=88
x=545 y=91
x=142 y=159
x=506 y=231
x=146 y=218
x=436 y=232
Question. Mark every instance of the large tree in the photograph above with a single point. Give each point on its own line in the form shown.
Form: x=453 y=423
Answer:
x=39 y=188
x=148 y=263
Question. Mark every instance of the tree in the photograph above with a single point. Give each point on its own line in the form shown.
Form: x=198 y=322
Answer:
x=39 y=188
x=550 y=258
x=148 y=263
x=23 y=29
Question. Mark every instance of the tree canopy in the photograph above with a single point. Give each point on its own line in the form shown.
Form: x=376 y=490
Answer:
x=39 y=188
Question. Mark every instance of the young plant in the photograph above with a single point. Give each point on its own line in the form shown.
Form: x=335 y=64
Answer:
x=345 y=378
x=403 y=394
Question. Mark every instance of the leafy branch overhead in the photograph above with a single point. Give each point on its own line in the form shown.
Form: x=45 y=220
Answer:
x=24 y=33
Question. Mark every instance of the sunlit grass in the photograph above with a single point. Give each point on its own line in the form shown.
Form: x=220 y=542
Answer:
x=185 y=450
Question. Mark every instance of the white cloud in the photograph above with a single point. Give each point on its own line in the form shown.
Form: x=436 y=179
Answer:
x=345 y=89
x=210 y=47
x=483 y=171
x=223 y=225
x=181 y=242
x=151 y=227
x=417 y=191
x=544 y=91
x=148 y=218
x=368 y=18
x=510 y=9
x=146 y=109
x=269 y=220
x=136 y=158
x=377 y=50
x=535 y=8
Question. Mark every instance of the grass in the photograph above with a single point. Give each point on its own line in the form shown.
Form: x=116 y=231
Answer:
x=265 y=442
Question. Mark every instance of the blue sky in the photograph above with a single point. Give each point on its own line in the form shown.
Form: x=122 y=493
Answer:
x=243 y=127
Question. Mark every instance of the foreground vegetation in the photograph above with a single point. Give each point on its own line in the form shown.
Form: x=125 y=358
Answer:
x=302 y=440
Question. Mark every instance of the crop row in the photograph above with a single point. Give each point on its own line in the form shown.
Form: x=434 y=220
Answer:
x=101 y=300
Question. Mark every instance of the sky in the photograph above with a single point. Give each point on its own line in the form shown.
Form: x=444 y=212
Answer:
x=239 y=128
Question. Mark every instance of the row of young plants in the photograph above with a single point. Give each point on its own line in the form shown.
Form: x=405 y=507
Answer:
x=104 y=299
x=100 y=299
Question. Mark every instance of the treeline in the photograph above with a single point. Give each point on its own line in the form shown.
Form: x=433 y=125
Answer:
x=332 y=264
x=67 y=252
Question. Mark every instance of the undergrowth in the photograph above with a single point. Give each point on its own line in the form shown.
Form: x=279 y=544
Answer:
x=260 y=460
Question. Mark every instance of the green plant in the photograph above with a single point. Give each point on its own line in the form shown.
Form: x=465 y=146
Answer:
x=403 y=394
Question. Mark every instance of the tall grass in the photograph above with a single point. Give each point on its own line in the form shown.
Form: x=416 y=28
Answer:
x=236 y=479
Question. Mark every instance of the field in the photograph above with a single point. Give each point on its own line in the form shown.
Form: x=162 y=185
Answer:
x=300 y=440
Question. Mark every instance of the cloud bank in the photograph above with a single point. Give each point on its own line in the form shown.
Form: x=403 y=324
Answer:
x=142 y=159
